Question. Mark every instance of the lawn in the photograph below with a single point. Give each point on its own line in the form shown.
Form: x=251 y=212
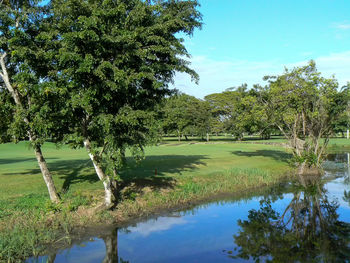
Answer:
x=73 y=171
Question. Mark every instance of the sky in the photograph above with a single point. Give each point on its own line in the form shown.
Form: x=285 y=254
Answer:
x=243 y=40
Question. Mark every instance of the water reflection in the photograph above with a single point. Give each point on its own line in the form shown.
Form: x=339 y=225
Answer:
x=110 y=256
x=111 y=243
x=303 y=221
x=307 y=230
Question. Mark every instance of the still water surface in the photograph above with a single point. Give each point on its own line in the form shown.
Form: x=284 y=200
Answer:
x=306 y=220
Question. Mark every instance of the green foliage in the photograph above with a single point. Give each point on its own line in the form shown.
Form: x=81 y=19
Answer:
x=186 y=115
x=308 y=158
x=53 y=207
x=30 y=48
x=305 y=107
x=239 y=111
x=6 y=116
x=116 y=59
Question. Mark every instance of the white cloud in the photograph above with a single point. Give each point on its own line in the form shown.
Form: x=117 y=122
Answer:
x=157 y=225
x=342 y=26
x=218 y=75
x=337 y=64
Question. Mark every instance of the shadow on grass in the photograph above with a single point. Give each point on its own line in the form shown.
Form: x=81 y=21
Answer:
x=74 y=172
x=157 y=171
x=19 y=160
x=70 y=171
x=274 y=154
x=159 y=165
x=154 y=172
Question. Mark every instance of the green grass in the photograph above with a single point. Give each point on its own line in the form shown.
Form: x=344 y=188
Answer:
x=172 y=174
x=72 y=170
x=339 y=144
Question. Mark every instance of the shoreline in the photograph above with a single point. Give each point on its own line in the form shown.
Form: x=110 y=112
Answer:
x=62 y=226
x=99 y=229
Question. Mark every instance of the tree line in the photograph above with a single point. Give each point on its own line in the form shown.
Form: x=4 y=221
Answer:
x=297 y=104
x=237 y=111
x=300 y=104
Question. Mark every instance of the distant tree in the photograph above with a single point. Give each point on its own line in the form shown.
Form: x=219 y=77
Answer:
x=254 y=119
x=342 y=123
x=29 y=100
x=226 y=107
x=117 y=59
x=304 y=106
x=184 y=115
x=201 y=124
x=176 y=117
x=239 y=110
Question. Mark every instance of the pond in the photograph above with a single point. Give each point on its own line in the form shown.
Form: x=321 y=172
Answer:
x=305 y=220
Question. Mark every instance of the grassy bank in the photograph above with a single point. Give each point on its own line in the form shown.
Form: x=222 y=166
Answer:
x=172 y=175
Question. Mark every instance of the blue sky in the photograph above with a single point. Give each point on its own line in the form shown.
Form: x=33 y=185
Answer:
x=243 y=40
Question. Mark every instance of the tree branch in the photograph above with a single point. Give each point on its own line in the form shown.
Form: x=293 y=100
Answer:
x=5 y=78
x=103 y=149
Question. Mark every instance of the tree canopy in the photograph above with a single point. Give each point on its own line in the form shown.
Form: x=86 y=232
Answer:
x=30 y=99
x=239 y=110
x=185 y=115
x=116 y=59
x=304 y=106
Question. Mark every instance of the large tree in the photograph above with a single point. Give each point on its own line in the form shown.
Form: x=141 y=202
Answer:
x=29 y=99
x=304 y=106
x=117 y=59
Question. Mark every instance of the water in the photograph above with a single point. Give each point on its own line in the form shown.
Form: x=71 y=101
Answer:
x=307 y=220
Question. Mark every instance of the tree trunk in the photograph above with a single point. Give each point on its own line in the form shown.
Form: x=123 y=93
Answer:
x=37 y=149
x=107 y=183
x=207 y=137
x=46 y=174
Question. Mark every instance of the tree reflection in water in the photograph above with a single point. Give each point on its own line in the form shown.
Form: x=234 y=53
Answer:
x=111 y=243
x=308 y=230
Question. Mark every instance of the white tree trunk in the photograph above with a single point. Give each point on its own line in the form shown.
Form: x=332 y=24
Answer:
x=101 y=175
x=347 y=134
x=46 y=175
x=37 y=149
